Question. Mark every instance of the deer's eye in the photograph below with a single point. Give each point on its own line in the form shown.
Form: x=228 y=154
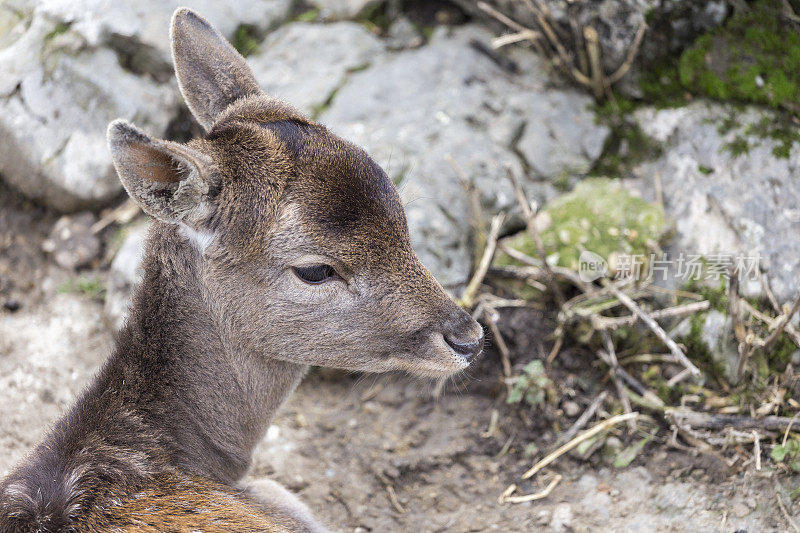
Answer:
x=315 y=274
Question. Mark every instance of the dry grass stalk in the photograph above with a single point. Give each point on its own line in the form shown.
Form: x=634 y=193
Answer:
x=653 y=325
x=610 y=358
x=688 y=418
x=529 y=215
x=584 y=67
x=582 y=420
x=468 y=298
x=600 y=322
x=544 y=493
x=605 y=424
x=122 y=214
x=393 y=499
x=491 y=319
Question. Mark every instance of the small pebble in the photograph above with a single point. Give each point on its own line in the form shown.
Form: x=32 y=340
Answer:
x=11 y=305
x=740 y=510
x=571 y=408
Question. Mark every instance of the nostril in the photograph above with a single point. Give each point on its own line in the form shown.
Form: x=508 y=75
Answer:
x=465 y=348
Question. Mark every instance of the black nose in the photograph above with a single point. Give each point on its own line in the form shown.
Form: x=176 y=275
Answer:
x=463 y=347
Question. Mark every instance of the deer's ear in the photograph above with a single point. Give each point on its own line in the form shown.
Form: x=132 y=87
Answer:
x=211 y=73
x=169 y=181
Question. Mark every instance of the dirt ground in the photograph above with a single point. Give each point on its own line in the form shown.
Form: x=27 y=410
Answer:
x=373 y=453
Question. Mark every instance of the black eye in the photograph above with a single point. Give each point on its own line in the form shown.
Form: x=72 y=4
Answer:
x=315 y=274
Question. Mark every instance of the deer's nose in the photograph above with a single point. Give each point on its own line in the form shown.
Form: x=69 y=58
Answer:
x=465 y=348
x=463 y=335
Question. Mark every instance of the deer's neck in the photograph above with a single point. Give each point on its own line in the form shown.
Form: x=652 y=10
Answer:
x=211 y=403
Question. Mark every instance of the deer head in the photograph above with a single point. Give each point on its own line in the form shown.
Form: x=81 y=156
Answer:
x=299 y=237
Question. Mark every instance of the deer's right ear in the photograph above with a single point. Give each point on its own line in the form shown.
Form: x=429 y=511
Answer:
x=211 y=73
x=169 y=181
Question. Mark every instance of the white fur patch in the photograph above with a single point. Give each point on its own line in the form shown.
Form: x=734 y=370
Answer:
x=201 y=239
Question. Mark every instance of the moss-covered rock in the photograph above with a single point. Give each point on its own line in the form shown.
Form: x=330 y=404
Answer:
x=600 y=216
x=754 y=58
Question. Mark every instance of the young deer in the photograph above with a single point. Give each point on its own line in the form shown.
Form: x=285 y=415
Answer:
x=277 y=246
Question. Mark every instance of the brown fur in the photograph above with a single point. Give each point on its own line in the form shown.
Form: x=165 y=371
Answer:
x=222 y=329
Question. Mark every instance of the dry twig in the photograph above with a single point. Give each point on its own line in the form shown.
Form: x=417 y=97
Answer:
x=653 y=325
x=468 y=298
x=544 y=493
x=529 y=215
x=122 y=214
x=583 y=419
x=604 y=322
x=690 y=418
x=491 y=319
x=605 y=424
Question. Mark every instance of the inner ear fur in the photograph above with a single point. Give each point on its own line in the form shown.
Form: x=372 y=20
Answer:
x=169 y=181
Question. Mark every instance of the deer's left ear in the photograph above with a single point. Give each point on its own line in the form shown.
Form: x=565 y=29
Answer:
x=211 y=73
x=169 y=181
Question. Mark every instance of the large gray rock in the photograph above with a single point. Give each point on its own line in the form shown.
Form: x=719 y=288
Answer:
x=418 y=111
x=145 y=23
x=342 y=9
x=125 y=273
x=671 y=25
x=724 y=203
x=286 y=69
x=69 y=68
x=57 y=96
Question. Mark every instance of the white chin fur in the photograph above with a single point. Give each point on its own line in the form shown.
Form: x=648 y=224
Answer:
x=200 y=239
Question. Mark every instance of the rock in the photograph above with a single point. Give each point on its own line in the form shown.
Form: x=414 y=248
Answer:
x=124 y=274
x=730 y=208
x=571 y=409
x=717 y=334
x=423 y=113
x=57 y=96
x=342 y=9
x=562 y=517
x=286 y=70
x=403 y=35
x=672 y=26
x=740 y=510
x=72 y=242
x=557 y=145
x=140 y=30
x=602 y=220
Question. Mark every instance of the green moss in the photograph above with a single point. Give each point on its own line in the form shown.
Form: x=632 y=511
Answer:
x=738 y=146
x=627 y=145
x=245 y=39
x=375 y=18
x=781 y=353
x=698 y=351
x=599 y=215
x=753 y=58
x=717 y=296
x=705 y=170
x=61 y=28
x=661 y=86
x=90 y=287
x=308 y=16
x=318 y=109
x=780 y=128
